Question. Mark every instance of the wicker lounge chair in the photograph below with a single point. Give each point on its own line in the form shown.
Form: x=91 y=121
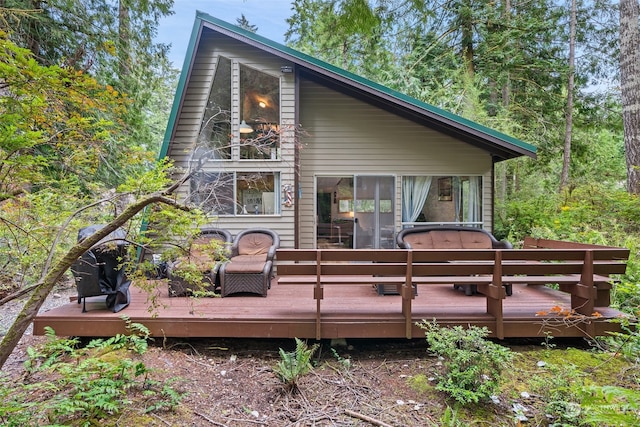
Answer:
x=250 y=267
x=177 y=286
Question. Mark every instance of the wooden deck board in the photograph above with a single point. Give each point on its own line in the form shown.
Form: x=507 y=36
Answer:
x=353 y=311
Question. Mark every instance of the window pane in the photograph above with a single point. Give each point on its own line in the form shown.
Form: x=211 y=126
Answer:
x=442 y=199
x=215 y=132
x=213 y=192
x=260 y=110
x=256 y=193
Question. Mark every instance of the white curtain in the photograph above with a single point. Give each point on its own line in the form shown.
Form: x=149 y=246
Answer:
x=456 y=190
x=474 y=214
x=414 y=193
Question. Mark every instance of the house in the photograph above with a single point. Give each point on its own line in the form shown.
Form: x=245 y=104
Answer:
x=370 y=162
x=326 y=158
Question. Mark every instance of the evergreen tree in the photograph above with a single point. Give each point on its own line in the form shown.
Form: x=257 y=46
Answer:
x=630 y=79
x=244 y=23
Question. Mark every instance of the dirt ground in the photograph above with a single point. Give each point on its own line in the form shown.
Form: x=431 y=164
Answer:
x=232 y=383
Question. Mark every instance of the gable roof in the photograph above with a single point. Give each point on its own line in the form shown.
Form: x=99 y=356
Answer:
x=500 y=145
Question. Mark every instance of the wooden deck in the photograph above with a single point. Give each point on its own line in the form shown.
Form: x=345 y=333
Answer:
x=350 y=311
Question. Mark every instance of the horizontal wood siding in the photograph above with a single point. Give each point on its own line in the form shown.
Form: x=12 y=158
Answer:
x=189 y=120
x=487 y=201
x=347 y=137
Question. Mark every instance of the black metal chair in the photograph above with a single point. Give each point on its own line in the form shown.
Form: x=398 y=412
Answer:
x=100 y=270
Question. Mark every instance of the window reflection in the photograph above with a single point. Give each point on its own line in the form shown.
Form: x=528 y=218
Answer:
x=259 y=109
x=215 y=132
x=236 y=193
x=442 y=200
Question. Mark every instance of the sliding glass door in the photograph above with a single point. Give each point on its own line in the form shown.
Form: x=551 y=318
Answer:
x=355 y=211
x=374 y=211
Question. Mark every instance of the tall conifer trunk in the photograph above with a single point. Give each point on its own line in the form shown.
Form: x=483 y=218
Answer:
x=566 y=158
x=630 y=82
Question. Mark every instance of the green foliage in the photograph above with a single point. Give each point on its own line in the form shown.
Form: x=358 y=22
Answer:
x=560 y=389
x=610 y=405
x=294 y=365
x=345 y=362
x=67 y=384
x=627 y=341
x=451 y=418
x=114 y=42
x=56 y=126
x=420 y=383
x=580 y=388
x=591 y=213
x=471 y=365
x=68 y=136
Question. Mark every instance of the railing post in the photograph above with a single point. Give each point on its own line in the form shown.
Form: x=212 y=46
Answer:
x=407 y=294
x=318 y=293
x=584 y=297
x=494 y=305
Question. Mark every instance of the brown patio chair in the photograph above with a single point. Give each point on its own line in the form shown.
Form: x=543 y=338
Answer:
x=250 y=266
x=177 y=286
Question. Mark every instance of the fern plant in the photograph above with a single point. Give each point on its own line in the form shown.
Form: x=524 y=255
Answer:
x=294 y=365
x=68 y=385
x=610 y=405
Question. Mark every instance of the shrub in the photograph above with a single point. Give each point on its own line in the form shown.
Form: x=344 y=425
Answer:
x=471 y=365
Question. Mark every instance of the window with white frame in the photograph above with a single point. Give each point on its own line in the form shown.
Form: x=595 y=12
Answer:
x=258 y=96
x=442 y=200
x=236 y=193
x=241 y=122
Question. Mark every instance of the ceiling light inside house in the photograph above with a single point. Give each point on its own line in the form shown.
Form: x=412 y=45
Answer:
x=245 y=128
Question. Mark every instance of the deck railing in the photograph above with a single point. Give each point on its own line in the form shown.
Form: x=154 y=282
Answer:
x=582 y=271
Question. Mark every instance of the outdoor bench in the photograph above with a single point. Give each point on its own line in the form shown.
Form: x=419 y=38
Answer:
x=607 y=261
x=583 y=272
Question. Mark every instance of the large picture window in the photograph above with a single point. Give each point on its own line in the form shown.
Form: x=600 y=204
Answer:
x=260 y=114
x=442 y=200
x=236 y=193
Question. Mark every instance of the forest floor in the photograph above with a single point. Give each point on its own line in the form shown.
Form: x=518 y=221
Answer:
x=362 y=383
x=232 y=382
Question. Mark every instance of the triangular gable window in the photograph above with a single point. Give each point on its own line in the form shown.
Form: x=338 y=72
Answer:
x=215 y=132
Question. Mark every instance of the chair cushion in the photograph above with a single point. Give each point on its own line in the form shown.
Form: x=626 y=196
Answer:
x=254 y=244
x=250 y=259
x=244 y=267
x=449 y=239
x=475 y=240
x=420 y=240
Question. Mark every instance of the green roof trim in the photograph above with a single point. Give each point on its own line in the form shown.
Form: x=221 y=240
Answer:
x=182 y=81
x=299 y=57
